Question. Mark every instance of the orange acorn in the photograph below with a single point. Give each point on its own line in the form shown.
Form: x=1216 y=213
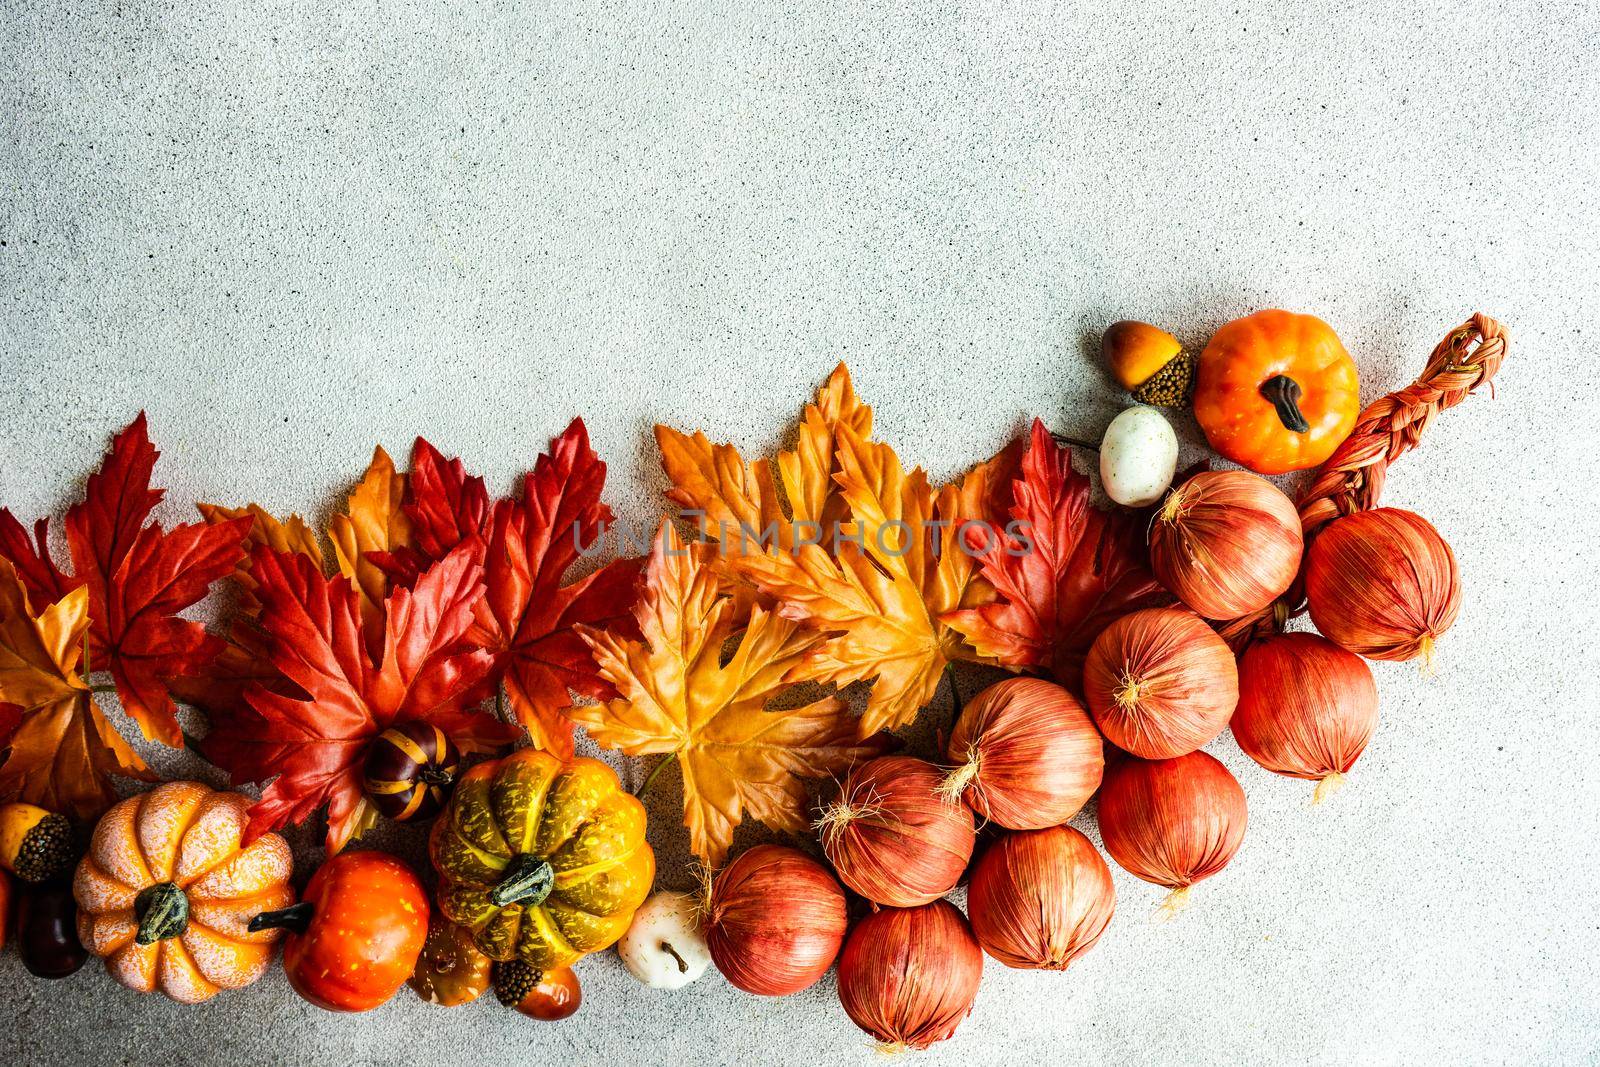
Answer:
x=1148 y=362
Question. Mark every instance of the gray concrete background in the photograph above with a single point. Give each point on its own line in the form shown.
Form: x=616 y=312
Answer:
x=291 y=230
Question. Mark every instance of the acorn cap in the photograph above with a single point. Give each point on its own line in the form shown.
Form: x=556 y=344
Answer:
x=1171 y=386
x=514 y=980
x=1135 y=352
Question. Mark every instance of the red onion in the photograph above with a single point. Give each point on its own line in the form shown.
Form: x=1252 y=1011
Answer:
x=1027 y=755
x=1040 y=898
x=908 y=976
x=890 y=835
x=775 y=921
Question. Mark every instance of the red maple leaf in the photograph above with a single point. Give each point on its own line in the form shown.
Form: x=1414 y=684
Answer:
x=527 y=619
x=1064 y=570
x=139 y=577
x=312 y=744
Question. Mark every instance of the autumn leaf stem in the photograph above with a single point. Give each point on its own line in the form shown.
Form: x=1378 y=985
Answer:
x=1063 y=439
x=955 y=696
x=655 y=772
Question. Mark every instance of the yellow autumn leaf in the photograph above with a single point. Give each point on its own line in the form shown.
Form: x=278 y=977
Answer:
x=677 y=696
x=740 y=501
x=62 y=749
x=898 y=568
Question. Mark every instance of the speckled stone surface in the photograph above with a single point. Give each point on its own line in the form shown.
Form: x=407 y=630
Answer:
x=289 y=231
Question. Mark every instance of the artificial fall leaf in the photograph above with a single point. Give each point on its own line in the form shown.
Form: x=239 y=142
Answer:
x=289 y=535
x=739 y=501
x=680 y=695
x=139 y=577
x=898 y=569
x=1063 y=576
x=40 y=576
x=372 y=527
x=62 y=751
x=527 y=618
x=373 y=522
x=311 y=745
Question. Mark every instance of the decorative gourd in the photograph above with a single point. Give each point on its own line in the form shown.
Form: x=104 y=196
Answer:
x=167 y=892
x=409 y=770
x=451 y=971
x=543 y=860
x=355 y=936
x=1277 y=392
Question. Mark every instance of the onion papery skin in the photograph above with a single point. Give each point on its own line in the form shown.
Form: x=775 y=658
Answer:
x=1039 y=899
x=1228 y=543
x=1173 y=822
x=1027 y=755
x=1160 y=683
x=908 y=976
x=775 y=921
x=1383 y=584
x=1306 y=706
x=892 y=837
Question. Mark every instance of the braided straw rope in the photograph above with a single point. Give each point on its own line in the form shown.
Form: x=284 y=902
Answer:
x=1352 y=478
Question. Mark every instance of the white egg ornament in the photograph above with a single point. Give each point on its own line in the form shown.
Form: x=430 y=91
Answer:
x=1138 y=457
x=664 y=947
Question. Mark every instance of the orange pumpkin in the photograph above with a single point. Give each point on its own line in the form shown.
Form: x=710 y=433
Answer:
x=355 y=937
x=167 y=892
x=1277 y=392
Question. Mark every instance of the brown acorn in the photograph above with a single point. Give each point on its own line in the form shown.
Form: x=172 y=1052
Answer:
x=546 y=995
x=411 y=768
x=1149 y=363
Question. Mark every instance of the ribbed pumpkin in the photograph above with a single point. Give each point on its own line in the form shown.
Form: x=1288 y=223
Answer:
x=543 y=860
x=166 y=892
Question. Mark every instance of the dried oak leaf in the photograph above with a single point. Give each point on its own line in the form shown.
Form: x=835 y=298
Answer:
x=139 y=577
x=61 y=750
x=1063 y=575
x=311 y=746
x=678 y=696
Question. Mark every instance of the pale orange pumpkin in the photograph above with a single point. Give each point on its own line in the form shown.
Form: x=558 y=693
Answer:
x=167 y=892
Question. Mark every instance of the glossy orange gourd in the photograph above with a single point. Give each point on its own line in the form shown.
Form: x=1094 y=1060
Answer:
x=357 y=932
x=167 y=892
x=451 y=970
x=544 y=860
x=1276 y=392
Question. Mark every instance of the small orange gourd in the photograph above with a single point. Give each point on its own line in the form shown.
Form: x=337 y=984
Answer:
x=1277 y=392
x=167 y=892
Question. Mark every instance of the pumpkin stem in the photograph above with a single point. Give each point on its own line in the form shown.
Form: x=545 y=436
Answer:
x=296 y=919
x=527 y=881
x=162 y=911
x=432 y=775
x=1283 y=392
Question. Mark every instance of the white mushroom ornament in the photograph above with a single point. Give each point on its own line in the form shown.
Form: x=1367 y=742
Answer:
x=664 y=947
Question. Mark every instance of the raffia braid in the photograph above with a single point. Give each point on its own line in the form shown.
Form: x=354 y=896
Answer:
x=1352 y=478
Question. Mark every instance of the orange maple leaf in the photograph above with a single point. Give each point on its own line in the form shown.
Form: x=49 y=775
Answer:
x=898 y=568
x=740 y=501
x=62 y=749
x=680 y=695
